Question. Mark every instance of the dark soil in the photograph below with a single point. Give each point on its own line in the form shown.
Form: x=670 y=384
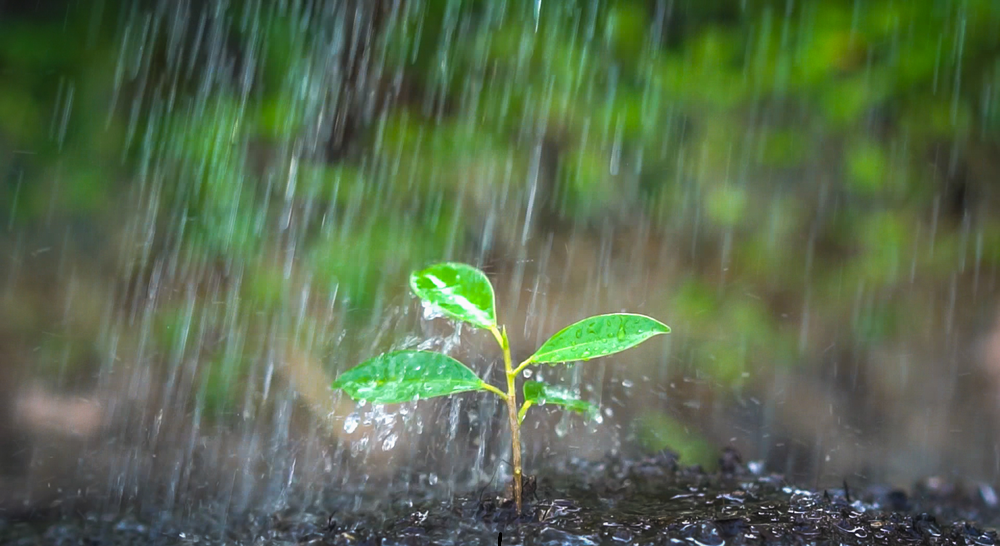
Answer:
x=651 y=501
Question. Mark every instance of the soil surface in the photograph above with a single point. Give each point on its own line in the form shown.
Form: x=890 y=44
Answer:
x=617 y=501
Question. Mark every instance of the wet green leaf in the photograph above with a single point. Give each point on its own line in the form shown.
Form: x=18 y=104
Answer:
x=540 y=393
x=403 y=376
x=598 y=336
x=460 y=291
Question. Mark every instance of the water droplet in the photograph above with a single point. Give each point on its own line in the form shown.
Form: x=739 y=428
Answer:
x=551 y=536
x=432 y=479
x=389 y=442
x=562 y=427
x=430 y=311
x=527 y=373
x=351 y=423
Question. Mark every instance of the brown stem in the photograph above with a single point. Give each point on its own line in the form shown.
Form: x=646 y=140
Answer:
x=515 y=424
x=515 y=436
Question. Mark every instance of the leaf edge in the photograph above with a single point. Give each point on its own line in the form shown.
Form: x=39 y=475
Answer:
x=533 y=358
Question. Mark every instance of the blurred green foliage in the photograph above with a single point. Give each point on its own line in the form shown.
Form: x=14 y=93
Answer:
x=657 y=431
x=805 y=138
x=57 y=145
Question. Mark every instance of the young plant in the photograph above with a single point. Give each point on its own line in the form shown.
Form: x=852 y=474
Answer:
x=463 y=293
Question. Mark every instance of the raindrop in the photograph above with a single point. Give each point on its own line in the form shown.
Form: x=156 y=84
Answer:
x=351 y=422
x=430 y=311
x=562 y=427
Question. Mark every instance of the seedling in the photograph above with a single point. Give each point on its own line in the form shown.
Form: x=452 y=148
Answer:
x=463 y=293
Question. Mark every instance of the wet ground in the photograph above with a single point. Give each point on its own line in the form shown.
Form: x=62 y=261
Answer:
x=617 y=501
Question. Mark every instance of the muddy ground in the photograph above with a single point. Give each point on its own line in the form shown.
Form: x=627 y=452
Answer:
x=650 y=501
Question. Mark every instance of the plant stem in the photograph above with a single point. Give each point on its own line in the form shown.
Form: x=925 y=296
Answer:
x=495 y=390
x=512 y=414
x=522 y=366
x=524 y=410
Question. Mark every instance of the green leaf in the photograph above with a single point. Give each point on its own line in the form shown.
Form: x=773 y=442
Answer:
x=460 y=291
x=598 y=336
x=540 y=393
x=403 y=376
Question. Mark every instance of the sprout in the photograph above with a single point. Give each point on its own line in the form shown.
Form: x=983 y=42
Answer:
x=463 y=293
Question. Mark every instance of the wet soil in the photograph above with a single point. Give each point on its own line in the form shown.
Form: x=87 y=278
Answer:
x=650 y=501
